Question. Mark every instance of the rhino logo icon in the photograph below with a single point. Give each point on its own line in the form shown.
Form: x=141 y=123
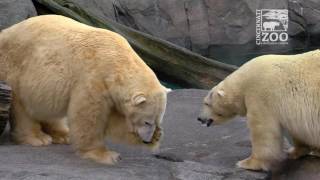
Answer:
x=270 y=25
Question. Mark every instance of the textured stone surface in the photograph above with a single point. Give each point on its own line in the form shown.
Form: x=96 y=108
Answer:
x=5 y=102
x=220 y=29
x=171 y=62
x=189 y=152
x=206 y=153
x=14 y=11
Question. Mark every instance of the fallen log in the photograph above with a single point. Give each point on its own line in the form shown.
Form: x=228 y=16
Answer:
x=5 y=101
x=186 y=68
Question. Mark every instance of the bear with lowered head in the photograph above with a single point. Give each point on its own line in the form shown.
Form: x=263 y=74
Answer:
x=274 y=92
x=72 y=82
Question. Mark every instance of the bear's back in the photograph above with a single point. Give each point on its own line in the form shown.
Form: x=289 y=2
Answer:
x=53 y=40
x=47 y=56
x=289 y=87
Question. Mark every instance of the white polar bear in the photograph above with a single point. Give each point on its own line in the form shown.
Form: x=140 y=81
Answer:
x=274 y=92
x=61 y=70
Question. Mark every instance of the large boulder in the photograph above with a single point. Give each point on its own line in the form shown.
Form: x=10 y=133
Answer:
x=222 y=30
x=14 y=11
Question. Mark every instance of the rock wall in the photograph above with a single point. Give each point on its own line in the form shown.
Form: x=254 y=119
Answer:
x=220 y=29
x=14 y=11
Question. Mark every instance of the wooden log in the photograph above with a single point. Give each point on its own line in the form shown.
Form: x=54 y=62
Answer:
x=5 y=101
x=179 y=64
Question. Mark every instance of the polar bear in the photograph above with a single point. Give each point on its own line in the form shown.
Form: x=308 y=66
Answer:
x=67 y=75
x=274 y=92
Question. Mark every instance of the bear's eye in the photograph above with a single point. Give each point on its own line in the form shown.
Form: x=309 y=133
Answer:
x=219 y=115
x=147 y=123
x=207 y=104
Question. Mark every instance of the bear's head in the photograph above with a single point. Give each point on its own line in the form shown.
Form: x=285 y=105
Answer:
x=145 y=113
x=140 y=119
x=217 y=107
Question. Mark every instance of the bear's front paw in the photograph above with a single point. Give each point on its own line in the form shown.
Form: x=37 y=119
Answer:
x=102 y=155
x=252 y=164
x=61 y=139
x=110 y=157
x=41 y=139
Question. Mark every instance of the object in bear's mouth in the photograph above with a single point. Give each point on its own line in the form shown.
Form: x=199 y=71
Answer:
x=205 y=122
x=209 y=122
x=168 y=157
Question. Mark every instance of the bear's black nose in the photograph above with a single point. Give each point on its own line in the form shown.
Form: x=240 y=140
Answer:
x=147 y=142
x=201 y=120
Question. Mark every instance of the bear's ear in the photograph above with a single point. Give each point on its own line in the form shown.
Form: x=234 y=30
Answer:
x=210 y=94
x=138 y=99
x=221 y=93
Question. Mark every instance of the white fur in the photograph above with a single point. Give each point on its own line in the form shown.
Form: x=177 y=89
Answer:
x=60 y=68
x=273 y=92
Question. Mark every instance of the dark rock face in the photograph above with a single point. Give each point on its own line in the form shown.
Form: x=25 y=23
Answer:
x=221 y=29
x=224 y=30
x=14 y=11
x=5 y=101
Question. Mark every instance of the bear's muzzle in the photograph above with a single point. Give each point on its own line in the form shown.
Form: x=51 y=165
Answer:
x=207 y=122
x=146 y=133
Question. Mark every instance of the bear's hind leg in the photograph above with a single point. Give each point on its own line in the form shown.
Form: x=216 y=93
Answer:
x=58 y=130
x=26 y=130
x=266 y=140
x=87 y=117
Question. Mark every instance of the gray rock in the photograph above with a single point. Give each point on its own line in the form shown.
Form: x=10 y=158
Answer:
x=222 y=30
x=5 y=101
x=189 y=151
x=193 y=152
x=14 y=11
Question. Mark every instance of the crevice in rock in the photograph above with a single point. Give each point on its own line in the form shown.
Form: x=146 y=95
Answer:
x=298 y=19
x=188 y=37
x=123 y=16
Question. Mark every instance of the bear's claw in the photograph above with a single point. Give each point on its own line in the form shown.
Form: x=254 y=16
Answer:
x=253 y=164
x=39 y=140
x=102 y=156
x=60 y=140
